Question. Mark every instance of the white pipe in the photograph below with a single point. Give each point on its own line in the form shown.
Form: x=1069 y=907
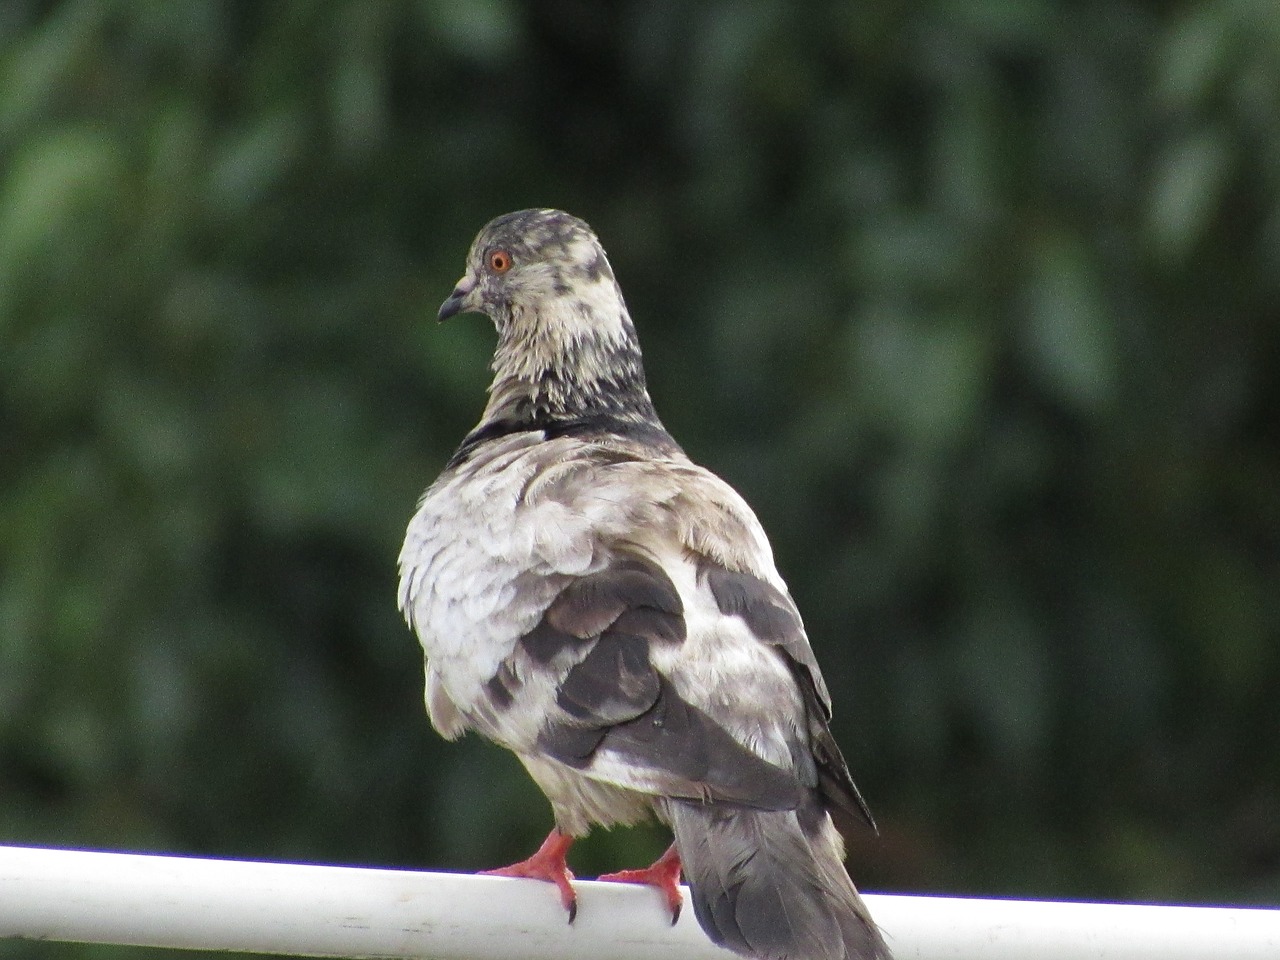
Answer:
x=350 y=912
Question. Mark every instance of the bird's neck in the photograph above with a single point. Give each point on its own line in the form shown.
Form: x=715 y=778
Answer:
x=577 y=368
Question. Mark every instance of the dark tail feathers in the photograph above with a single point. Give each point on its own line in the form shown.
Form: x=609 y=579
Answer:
x=767 y=888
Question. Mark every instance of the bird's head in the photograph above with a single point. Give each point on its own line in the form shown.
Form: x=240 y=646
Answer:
x=565 y=340
x=525 y=261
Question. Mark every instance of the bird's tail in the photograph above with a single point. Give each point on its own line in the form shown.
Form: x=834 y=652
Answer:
x=771 y=884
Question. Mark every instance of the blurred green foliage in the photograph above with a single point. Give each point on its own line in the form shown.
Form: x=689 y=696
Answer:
x=974 y=301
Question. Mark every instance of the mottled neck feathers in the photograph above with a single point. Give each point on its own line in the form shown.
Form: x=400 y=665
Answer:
x=574 y=371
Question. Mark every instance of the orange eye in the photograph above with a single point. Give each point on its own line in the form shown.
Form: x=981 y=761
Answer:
x=499 y=261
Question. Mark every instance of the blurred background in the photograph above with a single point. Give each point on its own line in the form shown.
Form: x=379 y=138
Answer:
x=976 y=301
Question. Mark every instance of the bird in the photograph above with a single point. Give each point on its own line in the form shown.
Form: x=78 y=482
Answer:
x=589 y=598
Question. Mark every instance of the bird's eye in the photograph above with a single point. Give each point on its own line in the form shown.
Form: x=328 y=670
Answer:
x=499 y=261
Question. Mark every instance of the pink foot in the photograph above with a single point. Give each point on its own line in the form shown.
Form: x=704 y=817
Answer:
x=663 y=874
x=547 y=864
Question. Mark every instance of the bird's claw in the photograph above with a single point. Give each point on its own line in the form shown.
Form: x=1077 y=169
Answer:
x=547 y=864
x=663 y=874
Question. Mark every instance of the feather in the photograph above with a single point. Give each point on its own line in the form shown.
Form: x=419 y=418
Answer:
x=765 y=886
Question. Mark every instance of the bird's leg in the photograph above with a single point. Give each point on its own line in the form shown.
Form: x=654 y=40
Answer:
x=663 y=874
x=548 y=864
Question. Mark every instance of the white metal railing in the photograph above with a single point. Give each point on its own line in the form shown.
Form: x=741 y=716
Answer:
x=328 y=911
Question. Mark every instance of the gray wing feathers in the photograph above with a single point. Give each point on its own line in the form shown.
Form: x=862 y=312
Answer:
x=771 y=616
x=613 y=707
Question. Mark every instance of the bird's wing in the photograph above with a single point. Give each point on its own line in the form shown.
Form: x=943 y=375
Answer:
x=615 y=715
x=676 y=665
x=770 y=616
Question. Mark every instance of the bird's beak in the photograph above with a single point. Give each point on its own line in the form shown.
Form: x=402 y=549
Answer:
x=458 y=301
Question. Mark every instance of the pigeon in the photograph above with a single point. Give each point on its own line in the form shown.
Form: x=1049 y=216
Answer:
x=589 y=598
